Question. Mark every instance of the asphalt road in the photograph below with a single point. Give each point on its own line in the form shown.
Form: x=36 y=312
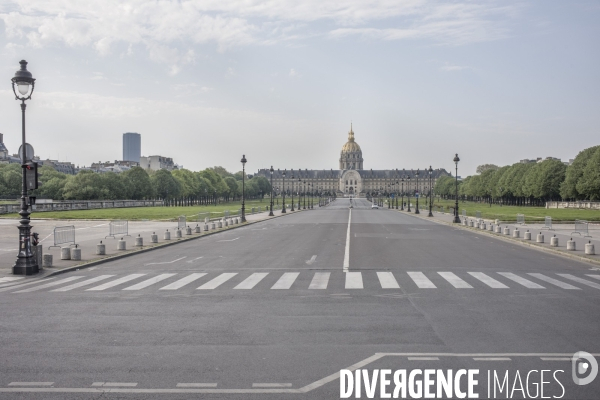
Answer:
x=268 y=311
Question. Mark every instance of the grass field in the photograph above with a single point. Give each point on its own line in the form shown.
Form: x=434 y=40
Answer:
x=149 y=213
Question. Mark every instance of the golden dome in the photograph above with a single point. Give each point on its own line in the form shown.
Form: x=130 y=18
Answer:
x=350 y=146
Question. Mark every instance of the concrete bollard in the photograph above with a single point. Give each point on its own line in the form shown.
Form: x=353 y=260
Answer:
x=237 y=220
x=213 y=226
x=139 y=241
x=178 y=233
x=507 y=231
x=154 y=238
x=188 y=230
x=571 y=245
x=589 y=249
x=122 y=244
x=471 y=223
x=65 y=253
x=219 y=224
x=101 y=249
x=167 y=235
x=48 y=260
x=554 y=241
x=527 y=235
x=205 y=227
x=197 y=229
x=477 y=225
x=482 y=225
x=540 y=238
x=516 y=233
x=76 y=254
x=497 y=222
x=491 y=227
x=225 y=223
x=498 y=229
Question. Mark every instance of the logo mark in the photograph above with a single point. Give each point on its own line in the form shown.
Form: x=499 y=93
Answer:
x=583 y=363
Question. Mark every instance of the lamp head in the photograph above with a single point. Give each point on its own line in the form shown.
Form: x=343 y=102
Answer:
x=456 y=159
x=244 y=159
x=23 y=82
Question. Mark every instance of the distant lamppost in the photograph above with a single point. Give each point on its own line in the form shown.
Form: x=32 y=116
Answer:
x=456 y=219
x=215 y=197
x=292 y=210
x=430 y=191
x=397 y=190
x=417 y=194
x=304 y=197
x=408 y=193
x=312 y=195
x=283 y=193
x=389 y=195
x=402 y=194
x=24 y=83
x=299 y=186
x=271 y=208
x=244 y=188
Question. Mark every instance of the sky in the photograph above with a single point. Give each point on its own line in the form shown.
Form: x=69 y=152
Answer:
x=281 y=81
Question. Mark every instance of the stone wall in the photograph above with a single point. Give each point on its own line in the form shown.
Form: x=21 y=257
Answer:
x=592 y=205
x=81 y=205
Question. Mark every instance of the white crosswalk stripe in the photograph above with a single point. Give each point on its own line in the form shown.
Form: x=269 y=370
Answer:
x=183 y=281
x=521 y=281
x=421 y=280
x=149 y=282
x=84 y=283
x=218 y=281
x=286 y=281
x=580 y=280
x=387 y=280
x=116 y=282
x=455 y=280
x=553 y=281
x=47 y=285
x=488 y=280
x=10 y=278
x=354 y=280
x=594 y=276
x=252 y=280
x=320 y=280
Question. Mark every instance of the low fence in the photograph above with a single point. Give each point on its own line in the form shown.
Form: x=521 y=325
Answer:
x=581 y=228
x=81 y=205
x=590 y=205
x=181 y=221
x=64 y=235
x=548 y=223
x=521 y=219
x=118 y=227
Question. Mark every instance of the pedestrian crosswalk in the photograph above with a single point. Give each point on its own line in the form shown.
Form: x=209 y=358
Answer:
x=309 y=280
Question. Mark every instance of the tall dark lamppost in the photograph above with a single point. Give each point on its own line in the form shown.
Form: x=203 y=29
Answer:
x=430 y=191
x=417 y=194
x=283 y=193
x=271 y=207
x=402 y=194
x=408 y=193
x=389 y=195
x=312 y=195
x=215 y=197
x=304 y=197
x=244 y=188
x=24 y=83
x=292 y=210
x=456 y=219
x=299 y=187
x=397 y=192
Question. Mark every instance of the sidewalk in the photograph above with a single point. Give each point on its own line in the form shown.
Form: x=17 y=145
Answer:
x=91 y=233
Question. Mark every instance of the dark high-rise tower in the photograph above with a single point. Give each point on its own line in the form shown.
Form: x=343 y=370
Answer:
x=132 y=147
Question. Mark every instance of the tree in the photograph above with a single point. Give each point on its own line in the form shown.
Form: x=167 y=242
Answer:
x=568 y=189
x=222 y=172
x=165 y=185
x=86 y=185
x=589 y=183
x=485 y=167
x=115 y=184
x=138 y=183
x=232 y=185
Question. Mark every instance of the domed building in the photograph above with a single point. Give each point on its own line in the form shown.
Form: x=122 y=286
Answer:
x=351 y=179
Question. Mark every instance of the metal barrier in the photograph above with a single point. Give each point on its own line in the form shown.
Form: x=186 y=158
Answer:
x=442 y=209
x=226 y=213
x=64 y=235
x=548 y=224
x=181 y=222
x=478 y=214
x=118 y=227
x=581 y=226
x=464 y=212
x=521 y=219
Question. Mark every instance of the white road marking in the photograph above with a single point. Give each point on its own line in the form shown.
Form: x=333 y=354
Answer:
x=80 y=284
x=387 y=280
x=554 y=281
x=521 y=281
x=312 y=260
x=183 y=281
x=10 y=278
x=555 y=359
x=491 y=282
x=47 y=285
x=271 y=385
x=354 y=280
x=491 y=358
x=286 y=281
x=196 y=385
x=149 y=282
x=31 y=384
x=218 y=281
x=423 y=358
x=167 y=262
x=116 y=282
x=252 y=280
x=421 y=280
x=455 y=280
x=197 y=258
x=594 y=276
x=8 y=286
x=320 y=280
x=115 y=384
x=347 y=251
x=228 y=240
x=580 y=280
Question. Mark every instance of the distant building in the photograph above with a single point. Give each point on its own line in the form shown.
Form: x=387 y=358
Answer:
x=117 y=166
x=3 y=149
x=132 y=147
x=60 y=166
x=155 y=163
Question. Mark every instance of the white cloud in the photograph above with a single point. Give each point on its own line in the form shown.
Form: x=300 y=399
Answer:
x=293 y=73
x=450 y=67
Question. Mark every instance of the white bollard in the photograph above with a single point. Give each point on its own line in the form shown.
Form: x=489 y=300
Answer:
x=497 y=222
x=178 y=233
x=76 y=254
x=139 y=241
x=154 y=238
x=540 y=238
x=225 y=223
x=507 y=231
x=471 y=223
x=571 y=245
x=498 y=229
x=205 y=227
x=101 y=249
x=516 y=233
x=197 y=229
x=65 y=253
x=527 y=235
x=167 y=235
x=213 y=226
x=188 y=231
x=482 y=225
x=48 y=260
x=219 y=224
x=122 y=244
x=589 y=249
x=477 y=225
x=554 y=241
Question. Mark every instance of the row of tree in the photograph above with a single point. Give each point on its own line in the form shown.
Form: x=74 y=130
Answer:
x=177 y=187
x=530 y=183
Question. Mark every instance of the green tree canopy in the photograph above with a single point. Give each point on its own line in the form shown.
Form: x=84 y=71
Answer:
x=138 y=183
x=589 y=183
x=165 y=185
x=568 y=189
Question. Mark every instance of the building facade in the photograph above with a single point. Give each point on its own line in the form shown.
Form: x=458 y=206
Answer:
x=132 y=147
x=155 y=163
x=351 y=179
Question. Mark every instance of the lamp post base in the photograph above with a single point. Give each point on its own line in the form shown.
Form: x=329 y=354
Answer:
x=25 y=266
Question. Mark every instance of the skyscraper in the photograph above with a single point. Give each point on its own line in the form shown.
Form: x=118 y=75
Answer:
x=132 y=147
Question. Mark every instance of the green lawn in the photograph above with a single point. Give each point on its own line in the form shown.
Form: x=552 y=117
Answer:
x=150 y=213
x=509 y=213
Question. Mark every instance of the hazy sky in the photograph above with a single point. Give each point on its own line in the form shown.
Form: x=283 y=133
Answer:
x=207 y=81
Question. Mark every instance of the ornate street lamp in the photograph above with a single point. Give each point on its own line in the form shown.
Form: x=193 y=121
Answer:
x=456 y=218
x=304 y=193
x=430 y=191
x=292 y=210
x=312 y=195
x=299 y=187
x=283 y=193
x=402 y=194
x=271 y=208
x=408 y=193
x=397 y=190
x=244 y=188
x=23 y=85
x=417 y=194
